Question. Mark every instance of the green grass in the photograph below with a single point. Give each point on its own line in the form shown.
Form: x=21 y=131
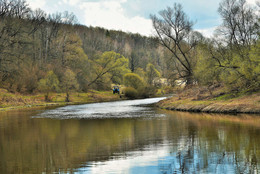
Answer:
x=225 y=97
x=233 y=95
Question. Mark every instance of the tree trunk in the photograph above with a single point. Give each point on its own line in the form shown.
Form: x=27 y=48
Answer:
x=47 y=96
x=189 y=81
x=67 y=97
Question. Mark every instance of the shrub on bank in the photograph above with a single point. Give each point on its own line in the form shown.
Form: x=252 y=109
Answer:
x=147 y=91
x=133 y=80
x=137 y=88
x=130 y=93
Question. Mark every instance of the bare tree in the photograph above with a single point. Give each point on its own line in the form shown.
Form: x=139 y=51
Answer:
x=14 y=8
x=49 y=31
x=20 y=9
x=174 y=31
x=12 y=12
x=69 y=18
x=4 y=7
x=232 y=52
x=240 y=23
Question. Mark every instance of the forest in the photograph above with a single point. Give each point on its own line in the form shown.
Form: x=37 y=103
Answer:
x=42 y=52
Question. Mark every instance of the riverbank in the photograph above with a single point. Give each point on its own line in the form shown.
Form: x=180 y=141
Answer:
x=16 y=101
x=200 y=100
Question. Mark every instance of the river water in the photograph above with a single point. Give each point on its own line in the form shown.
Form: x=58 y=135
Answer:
x=127 y=137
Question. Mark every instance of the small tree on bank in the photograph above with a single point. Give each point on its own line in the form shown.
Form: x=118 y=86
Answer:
x=136 y=88
x=48 y=84
x=69 y=83
x=151 y=73
x=133 y=80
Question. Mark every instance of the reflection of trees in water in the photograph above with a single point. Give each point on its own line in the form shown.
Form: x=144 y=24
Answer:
x=49 y=145
x=199 y=144
x=212 y=146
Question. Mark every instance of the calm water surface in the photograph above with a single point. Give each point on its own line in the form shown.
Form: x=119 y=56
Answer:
x=127 y=137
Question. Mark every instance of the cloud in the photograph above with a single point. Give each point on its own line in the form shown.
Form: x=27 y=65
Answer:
x=132 y=162
x=34 y=4
x=133 y=15
x=252 y=2
x=207 y=32
x=71 y=2
x=112 y=15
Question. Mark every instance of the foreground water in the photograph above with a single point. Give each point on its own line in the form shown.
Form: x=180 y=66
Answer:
x=127 y=137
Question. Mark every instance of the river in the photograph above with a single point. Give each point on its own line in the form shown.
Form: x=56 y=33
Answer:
x=127 y=137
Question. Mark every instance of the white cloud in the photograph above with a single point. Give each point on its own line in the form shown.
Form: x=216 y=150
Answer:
x=114 y=14
x=111 y=15
x=71 y=2
x=253 y=2
x=34 y=4
x=207 y=32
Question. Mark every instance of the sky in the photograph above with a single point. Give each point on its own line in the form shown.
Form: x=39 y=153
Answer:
x=134 y=15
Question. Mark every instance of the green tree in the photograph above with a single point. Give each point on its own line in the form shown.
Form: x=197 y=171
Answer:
x=234 y=53
x=234 y=59
x=140 y=72
x=133 y=80
x=48 y=84
x=206 y=72
x=151 y=73
x=74 y=58
x=109 y=63
x=69 y=83
x=34 y=41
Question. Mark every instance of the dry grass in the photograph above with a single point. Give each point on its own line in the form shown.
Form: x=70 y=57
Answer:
x=205 y=119
x=200 y=100
x=12 y=101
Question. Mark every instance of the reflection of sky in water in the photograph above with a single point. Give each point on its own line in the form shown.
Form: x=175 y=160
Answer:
x=119 y=109
x=145 y=161
x=172 y=144
x=161 y=159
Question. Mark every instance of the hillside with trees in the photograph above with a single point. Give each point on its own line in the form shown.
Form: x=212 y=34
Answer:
x=46 y=53
x=42 y=52
x=217 y=69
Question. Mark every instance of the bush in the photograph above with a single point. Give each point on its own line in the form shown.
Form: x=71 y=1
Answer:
x=147 y=91
x=136 y=87
x=168 y=89
x=133 y=80
x=130 y=93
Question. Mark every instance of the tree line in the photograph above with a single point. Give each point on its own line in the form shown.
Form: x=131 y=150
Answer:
x=231 y=58
x=52 y=52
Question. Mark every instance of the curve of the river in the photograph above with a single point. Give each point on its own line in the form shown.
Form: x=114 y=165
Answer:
x=128 y=136
x=117 y=109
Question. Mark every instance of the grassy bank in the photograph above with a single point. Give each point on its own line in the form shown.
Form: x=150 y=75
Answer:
x=201 y=100
x=13 y=101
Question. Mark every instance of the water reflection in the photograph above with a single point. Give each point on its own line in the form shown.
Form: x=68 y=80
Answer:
x=176 y=143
